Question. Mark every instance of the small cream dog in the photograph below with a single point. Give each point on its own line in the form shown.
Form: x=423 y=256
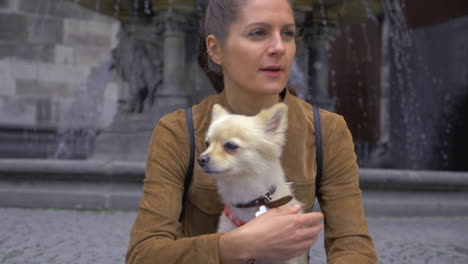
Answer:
x=243 y=155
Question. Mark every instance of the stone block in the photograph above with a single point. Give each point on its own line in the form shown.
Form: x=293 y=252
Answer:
x=41 y=88
x=13 y=27
x=23 y=69
x=91 y=55
x=124 y=145
x=25 y=51
x=63 y=73
x=36 y=7
x=63 y=110
x=92 y=33
x=64 y=55
x=50 y=8
x=17 y=110
x=81 y=55
x=7 y=86
x=62 y=9
x=4 y=4
x=26 y=70
x=47 y=111
x=114 y=35
x=45 y=30
x=109 y=106
x=7 y=83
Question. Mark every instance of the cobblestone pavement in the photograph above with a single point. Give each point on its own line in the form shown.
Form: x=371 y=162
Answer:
x=30 y=236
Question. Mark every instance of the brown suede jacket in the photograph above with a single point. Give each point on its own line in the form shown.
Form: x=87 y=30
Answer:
x=158 y=237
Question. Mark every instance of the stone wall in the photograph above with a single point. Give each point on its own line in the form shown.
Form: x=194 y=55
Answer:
x=47 y=51
x=51 y=58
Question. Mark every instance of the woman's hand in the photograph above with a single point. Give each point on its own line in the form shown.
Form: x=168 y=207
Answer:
x=278 y=235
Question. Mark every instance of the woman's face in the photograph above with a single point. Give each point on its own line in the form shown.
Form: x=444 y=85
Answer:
x=260 y=47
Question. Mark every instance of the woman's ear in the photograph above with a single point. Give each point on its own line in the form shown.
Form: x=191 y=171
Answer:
x=214 y=49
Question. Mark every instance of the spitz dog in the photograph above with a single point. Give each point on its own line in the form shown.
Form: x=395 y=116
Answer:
x=243 y=155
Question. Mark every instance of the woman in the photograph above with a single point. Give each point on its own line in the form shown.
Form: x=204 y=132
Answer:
x=247 y=53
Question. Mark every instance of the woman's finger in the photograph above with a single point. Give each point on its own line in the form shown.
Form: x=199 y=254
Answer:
x=309 y=219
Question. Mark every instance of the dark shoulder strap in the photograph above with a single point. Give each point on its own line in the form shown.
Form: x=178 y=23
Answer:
x=189 y=172
x=318 y=148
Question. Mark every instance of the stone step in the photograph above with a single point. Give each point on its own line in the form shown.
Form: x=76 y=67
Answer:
x=417 y=180
x=126 y=195
x=376 y=179
x=100 y=184
x=70 y=194
x=415 y=203
x=71 y=170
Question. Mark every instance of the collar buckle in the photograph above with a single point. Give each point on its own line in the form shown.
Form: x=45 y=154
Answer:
x=268 y=197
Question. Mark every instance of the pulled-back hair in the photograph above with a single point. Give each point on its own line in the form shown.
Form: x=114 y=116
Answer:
x=219 y=16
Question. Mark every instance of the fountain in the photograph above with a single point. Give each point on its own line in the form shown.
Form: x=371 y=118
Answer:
x=360 y=58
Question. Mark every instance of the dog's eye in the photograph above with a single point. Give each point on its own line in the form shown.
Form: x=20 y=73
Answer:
x=230 y=147
x=207 y=144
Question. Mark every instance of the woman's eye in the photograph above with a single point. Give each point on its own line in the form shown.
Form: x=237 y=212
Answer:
x=230 y=147
x=257 y=33
x=207 y=144
x=289 y=34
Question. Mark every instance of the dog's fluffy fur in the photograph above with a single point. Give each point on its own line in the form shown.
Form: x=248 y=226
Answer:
x=243 y=155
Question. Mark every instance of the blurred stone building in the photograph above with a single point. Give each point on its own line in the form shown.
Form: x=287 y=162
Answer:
x=48 y=50
x=90 y=79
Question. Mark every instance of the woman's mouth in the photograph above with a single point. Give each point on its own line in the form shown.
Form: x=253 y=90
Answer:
x=273 y=71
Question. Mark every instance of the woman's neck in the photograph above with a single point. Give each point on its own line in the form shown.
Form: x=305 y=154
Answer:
x=247 y=103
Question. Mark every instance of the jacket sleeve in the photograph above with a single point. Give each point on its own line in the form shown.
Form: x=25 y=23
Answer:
x=346 y=232
x=157 y=236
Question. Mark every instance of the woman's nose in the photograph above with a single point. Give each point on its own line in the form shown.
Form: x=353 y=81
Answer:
x=277 y=46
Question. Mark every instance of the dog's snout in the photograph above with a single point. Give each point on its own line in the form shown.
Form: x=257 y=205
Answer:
x=203 y=160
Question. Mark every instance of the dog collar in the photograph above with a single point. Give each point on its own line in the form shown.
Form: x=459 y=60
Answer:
x=230 y=216
x=267 y=200
x=236 y=221
x=260 y=200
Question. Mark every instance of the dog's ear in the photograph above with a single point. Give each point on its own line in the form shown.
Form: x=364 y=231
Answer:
x=217 y=112
x=275 y=122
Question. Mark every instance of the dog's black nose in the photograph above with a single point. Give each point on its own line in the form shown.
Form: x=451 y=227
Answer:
x=203 y=160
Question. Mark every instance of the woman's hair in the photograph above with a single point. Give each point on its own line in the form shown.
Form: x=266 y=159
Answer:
x=219 y=16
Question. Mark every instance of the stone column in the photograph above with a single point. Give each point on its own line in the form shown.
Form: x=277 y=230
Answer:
x=319 y=47
x=174 y=92
x=174 y=56
x=381 y=154
x=320 y=67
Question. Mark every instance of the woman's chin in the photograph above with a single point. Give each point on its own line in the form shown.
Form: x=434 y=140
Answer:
x=273 y=89
x=266 y=88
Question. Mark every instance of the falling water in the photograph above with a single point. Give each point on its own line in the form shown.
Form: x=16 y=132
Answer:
x=78 y=126
x=116 y=8
x=409 y=122
x=370 y=14
x=401 y=40
x=147 y=7
x=366 y=41
x=325 y=25
x=424 y=121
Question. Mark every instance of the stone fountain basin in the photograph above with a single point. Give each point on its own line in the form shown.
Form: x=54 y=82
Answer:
x=110 y=184
x=41 y=142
